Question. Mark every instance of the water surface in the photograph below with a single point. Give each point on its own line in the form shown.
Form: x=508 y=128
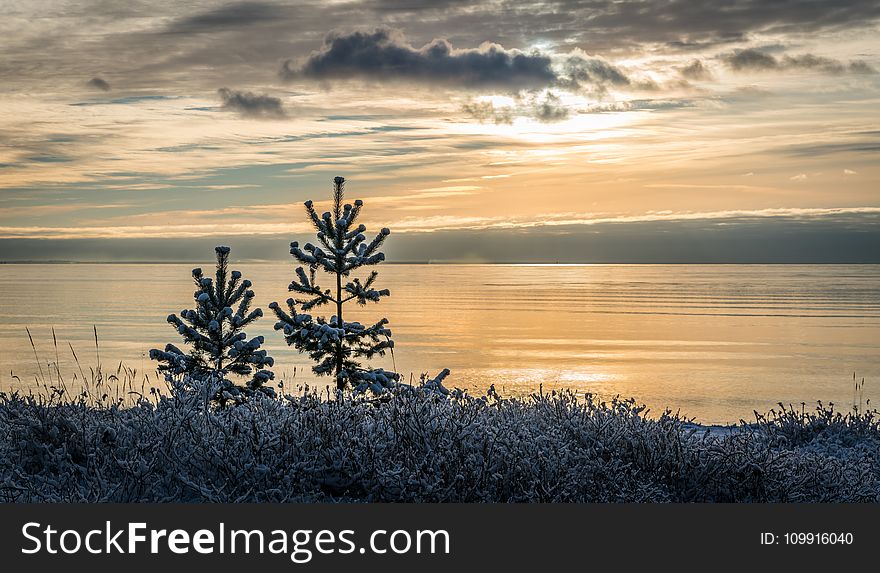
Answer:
x=715 y=341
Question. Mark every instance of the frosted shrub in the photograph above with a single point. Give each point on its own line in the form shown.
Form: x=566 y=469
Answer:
x=435 y=385
x=199 y=390
x=414 y=445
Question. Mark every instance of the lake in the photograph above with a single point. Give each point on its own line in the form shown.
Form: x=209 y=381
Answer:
x=713 y=341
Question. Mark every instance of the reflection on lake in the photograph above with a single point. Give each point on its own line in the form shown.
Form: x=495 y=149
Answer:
x=714 y=341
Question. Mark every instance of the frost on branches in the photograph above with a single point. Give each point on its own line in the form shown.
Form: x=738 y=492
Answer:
x=338 y=346
x=216 y=333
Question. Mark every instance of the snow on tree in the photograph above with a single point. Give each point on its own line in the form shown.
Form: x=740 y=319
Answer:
x=338 y=347
x=216 y=333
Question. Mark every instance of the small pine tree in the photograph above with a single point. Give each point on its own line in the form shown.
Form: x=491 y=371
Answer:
x=216 y=333
x=338 y=346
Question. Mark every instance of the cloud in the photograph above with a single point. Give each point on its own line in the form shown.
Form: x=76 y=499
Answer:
x=757 y=60
x=852 y=238
x=97 y=83
x=614 y=25
x=638 y=105
x=811 y=62
x=129 y=100
x=799 y=177
x=849 y=172
x=858 y=146
x=695 y=70
x=230 y=16
x=193 y=46
x=584 y=72
x=700 y=25
x=484 y=111
x=751 y=60
x=253 y=105
x=385 y=54
x=839 y=215
x=546 y=109
x=205 y=227
x=550 y=109
x=861 y=67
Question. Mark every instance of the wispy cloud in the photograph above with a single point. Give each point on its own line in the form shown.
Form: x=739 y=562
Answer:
x=429 y=224
x=695 y=70
x=235 y=15
x=757 y=60
x=446 y=223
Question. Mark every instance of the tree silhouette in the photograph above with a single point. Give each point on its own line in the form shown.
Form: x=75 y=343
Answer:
x=216 y=333
x=337 y=346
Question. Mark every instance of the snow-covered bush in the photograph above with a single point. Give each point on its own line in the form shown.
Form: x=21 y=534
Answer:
x=338 y=346
x=216 y=334
x=435 y=385
x=412 y=446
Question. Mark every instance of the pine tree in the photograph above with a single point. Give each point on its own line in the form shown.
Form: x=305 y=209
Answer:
x=338 y=346
x=216 y=333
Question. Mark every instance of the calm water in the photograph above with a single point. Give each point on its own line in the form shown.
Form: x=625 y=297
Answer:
x=716 y=342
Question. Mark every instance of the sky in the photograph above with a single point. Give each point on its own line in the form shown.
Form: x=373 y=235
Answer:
x=492 y=131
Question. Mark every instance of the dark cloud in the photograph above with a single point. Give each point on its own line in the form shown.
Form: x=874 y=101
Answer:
x=385 y=54
x=751 y=60
x=696 y=70
x=98 y=84
x=733 y=240
x=228 y=17
x=250 y=104
x=757 y=60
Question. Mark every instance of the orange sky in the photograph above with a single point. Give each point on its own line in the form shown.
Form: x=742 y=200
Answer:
x=112 y=125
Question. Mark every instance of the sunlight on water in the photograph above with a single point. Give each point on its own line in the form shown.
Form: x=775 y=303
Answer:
x=715 y=342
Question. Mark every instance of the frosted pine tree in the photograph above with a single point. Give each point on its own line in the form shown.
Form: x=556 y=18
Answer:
x=338 y=347
x=216 y=333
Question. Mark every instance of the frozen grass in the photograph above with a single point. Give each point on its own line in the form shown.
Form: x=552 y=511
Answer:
x=414 y=445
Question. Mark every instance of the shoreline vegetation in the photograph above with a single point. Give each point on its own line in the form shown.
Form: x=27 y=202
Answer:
x=117 y=441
